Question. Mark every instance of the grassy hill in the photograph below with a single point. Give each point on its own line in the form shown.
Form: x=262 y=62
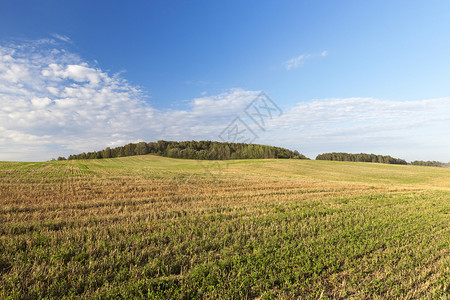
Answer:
x=149 y=226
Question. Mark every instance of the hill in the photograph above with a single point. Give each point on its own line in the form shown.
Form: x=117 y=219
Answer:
x=193 y=150
x=154 y=227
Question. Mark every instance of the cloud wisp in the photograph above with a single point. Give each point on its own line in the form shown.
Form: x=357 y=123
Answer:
x=300 y=60
x=63 y=38
x=55 y=103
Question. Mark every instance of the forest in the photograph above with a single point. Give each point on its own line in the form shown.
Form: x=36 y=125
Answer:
x=361 y=157
x=206 y=150
x=429 y=163
x=383 y=159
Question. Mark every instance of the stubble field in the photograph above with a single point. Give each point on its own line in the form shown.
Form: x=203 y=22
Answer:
x=154 y=227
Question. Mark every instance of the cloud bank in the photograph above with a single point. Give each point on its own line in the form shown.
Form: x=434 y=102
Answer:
x=55 y=103
x=407 y=129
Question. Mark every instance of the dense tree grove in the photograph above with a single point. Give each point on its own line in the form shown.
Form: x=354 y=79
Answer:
x=428 y=163
x=362 y=157
x=193 y=150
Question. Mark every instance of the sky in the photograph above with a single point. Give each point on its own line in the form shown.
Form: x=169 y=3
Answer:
x=312 y=76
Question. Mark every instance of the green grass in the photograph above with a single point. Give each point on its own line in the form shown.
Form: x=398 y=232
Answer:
x=153 y=227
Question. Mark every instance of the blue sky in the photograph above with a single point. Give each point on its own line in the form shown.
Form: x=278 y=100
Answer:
x=349 y=75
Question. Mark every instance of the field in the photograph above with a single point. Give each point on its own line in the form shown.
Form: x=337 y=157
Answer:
x=153 y=227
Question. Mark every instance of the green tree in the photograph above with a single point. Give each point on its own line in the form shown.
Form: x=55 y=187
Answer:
x=106 y=153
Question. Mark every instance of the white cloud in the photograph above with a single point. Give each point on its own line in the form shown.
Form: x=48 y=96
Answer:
x=53 y=103
x=77 y=73
x=300 y=60
x=408 y=129
x=63 y=38
x=296 y=61
x=53 y=90
x=41 y=102
x=51 y=97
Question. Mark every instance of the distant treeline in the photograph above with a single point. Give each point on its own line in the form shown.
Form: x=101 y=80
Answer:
x=384 y=159
x=429 y=163
x=193 y=150
x=361 y=157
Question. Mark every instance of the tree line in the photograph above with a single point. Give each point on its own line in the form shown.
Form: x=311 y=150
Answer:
x=361 y=157
x=384 y=159
x=207 y=150
x=429 y=163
